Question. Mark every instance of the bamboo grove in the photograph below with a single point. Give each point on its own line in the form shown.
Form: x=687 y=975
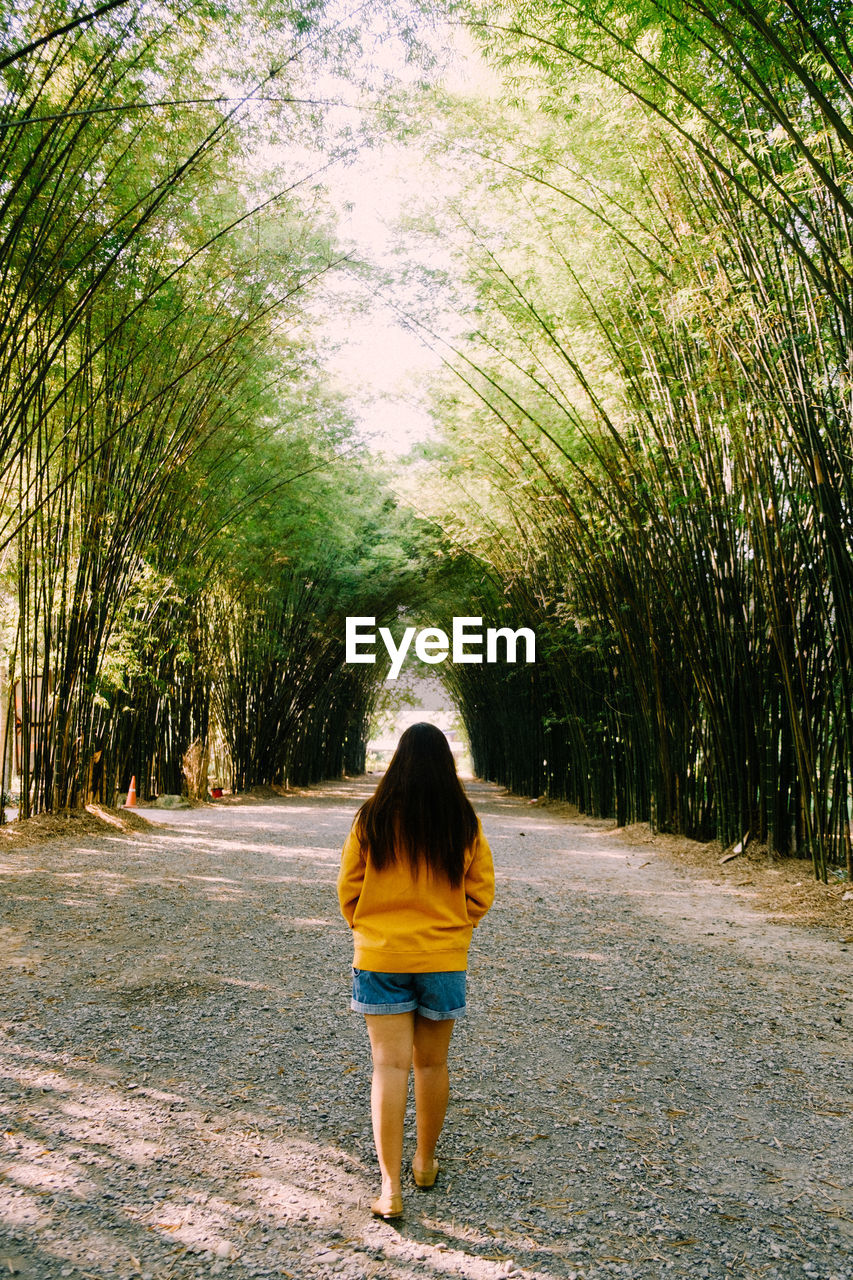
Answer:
x=657 y=392
x=646 y=446
x=175 y=564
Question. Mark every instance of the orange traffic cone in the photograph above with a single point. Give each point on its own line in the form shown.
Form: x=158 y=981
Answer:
x=130 y=802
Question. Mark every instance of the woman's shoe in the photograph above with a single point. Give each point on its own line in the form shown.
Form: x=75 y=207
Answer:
x=387 y=1207
x=425 y=1177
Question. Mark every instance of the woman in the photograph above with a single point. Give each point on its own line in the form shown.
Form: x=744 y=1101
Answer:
x=416 y=877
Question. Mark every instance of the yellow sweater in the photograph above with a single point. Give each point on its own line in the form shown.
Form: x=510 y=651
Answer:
x=413 y=924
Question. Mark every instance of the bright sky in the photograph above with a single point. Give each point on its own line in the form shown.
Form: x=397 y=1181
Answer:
x=382 y=366
x=416 y=698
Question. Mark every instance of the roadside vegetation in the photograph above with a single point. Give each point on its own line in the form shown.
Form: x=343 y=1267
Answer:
x=649 y=446
x=186 y=515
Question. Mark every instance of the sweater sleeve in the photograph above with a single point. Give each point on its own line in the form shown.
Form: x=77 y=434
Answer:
x=350 y=877
x=480 y=880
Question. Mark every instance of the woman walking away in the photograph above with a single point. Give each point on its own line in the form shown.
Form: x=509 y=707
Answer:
x=416 y=877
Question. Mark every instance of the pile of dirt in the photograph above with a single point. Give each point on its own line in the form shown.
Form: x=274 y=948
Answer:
x=95 y=819
x=782 y=888
x=257 y=795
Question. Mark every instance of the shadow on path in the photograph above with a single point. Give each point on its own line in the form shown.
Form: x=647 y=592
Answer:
x=652 y=1080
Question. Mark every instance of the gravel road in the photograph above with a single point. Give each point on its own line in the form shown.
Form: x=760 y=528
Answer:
x=653 y=1080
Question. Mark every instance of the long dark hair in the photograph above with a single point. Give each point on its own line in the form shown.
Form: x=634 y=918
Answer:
x=419 y=810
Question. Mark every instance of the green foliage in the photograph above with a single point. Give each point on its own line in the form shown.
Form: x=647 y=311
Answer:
x=168 y=450
x=647 y=450
x=652 y=449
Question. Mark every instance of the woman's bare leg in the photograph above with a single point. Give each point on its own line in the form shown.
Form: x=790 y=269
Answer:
x=391 y=1039
x=431 y=1042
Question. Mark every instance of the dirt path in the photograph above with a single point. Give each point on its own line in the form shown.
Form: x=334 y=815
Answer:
x=653 y=1081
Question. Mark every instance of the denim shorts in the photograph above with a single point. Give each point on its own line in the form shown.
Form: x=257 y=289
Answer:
x=435 y=995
